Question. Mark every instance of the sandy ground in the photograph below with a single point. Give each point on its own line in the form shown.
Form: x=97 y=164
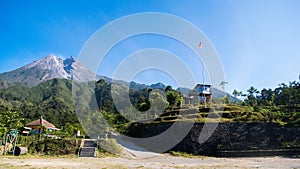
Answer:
x=158 y=161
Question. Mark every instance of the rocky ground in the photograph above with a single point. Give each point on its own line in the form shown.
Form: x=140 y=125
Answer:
x=156 y=162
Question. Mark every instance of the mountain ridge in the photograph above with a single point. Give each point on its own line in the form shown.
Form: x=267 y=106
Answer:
x=51 y=67
x=47 y=68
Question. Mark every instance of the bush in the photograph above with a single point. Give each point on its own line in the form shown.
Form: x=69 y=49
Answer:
x=54 y=147
x=109 y=145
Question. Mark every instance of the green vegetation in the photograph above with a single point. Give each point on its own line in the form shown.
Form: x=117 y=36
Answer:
x=281 y=105
x=185 y=155
x=21 y=104
x=53 y=100
x=59 y=147
x=10 y=120
x=109 y=146
x=54 y=147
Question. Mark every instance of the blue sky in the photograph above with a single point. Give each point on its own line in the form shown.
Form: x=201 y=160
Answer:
x=257 y=41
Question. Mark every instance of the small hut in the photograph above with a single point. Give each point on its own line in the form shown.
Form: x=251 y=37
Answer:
x=203 y=92
x=40 y=126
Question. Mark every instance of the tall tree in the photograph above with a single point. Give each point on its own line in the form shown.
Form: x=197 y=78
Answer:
x=251 y=97
x=266 y=97
x=174 y=98
x=158 y=102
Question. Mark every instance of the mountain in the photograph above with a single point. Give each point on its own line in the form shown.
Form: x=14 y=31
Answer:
x=184 y=90
x=217 y=93
x=137 y=86
x=3 y=84
x=158 y=85
x=52 y=67
x=47 y=68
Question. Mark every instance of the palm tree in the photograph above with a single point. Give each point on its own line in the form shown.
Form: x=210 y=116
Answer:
x=252 y=92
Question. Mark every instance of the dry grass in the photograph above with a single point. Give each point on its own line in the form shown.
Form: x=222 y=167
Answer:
x=185 y=155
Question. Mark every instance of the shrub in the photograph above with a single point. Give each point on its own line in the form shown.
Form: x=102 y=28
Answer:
x=109 y=145
x=54 y=147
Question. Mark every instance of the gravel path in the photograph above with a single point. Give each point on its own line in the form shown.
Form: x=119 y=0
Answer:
x=156 y=162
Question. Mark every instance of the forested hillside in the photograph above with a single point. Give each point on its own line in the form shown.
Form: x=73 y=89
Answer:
x=51 y=99
x=20 y=104
x=283 y=100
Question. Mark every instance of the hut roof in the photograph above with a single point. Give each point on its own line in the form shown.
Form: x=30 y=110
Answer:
x=41 y=122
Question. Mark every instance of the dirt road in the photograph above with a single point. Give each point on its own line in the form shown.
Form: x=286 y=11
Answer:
x=156 y=162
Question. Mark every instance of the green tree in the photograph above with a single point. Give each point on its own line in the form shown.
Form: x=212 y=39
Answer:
x=72 y=128
x=168 y=88
x=158 y=103
x=226 y=99
x=174 y=98
x=242 y=95
x=10 y=120
x=144 y=105
x=251 y=97
x=235 y=93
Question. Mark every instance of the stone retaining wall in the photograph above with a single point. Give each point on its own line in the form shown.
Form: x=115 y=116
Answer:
x=241 y=139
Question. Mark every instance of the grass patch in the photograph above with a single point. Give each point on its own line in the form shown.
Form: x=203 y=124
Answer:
x=185 y=155
x=109 y=146
x=104 y=154
x=8 y=166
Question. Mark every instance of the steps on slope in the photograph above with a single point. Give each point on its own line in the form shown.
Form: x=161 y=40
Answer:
x=88 y=148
